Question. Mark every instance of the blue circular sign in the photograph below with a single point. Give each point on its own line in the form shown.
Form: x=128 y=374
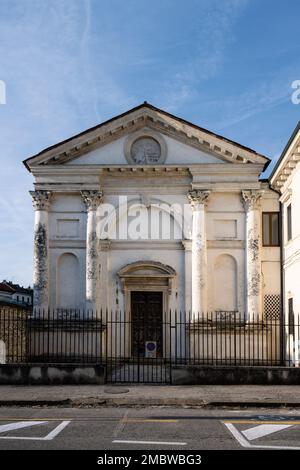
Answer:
x=151 y=346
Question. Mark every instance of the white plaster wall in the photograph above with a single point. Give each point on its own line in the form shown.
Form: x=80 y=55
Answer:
x=69 y=209
x=226 y=228
x=225 y=224
x=222 y=206
x=270 y=256
x=181 y=153
x=225 y=201
x=225 y=217
x=18 y=297
x=64 y=202
x=292 y=287
x=113 y=154
x=117 y=218
x=271 y=277
x=291 y=250
x=120 y=258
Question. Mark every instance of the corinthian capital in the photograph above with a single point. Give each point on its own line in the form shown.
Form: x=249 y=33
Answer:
x=198 y=196
x=251 y=198
x=41 y=200
x=92 y=199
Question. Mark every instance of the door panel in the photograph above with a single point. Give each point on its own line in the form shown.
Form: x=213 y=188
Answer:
x=146 y=318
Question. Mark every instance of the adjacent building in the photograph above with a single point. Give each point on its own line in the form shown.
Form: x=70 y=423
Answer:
x=14 y=294
x=285 y=178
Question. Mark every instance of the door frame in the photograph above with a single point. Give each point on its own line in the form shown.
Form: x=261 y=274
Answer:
x=147 y=276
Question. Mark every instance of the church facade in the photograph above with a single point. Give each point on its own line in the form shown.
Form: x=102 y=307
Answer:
x=147 y=209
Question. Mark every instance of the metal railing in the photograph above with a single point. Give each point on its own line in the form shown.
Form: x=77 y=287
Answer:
x=137 y=349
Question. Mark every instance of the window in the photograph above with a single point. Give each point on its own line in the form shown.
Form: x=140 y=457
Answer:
x=289 y=221
x=270 y=228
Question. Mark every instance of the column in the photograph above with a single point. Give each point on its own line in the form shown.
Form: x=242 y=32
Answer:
x=198 y=199
x=92 y=200
x=251 y=200
x=41 y=203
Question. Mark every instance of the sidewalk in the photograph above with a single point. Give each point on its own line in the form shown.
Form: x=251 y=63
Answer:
x=147 y=395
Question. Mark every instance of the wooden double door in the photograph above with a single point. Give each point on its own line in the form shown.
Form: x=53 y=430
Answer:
x=147 y=324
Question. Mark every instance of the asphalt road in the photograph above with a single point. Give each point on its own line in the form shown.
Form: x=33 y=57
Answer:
x=147 y=429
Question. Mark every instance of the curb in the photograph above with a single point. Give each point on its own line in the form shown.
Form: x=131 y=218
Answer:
x=134 y=403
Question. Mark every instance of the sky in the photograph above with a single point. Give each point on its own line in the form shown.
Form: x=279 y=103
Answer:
x=67 y=65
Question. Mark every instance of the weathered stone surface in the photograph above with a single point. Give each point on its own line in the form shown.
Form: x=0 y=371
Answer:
x=218 y=375
x=51 y=374
x=13 y=333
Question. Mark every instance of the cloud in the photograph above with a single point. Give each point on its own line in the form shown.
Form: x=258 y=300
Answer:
x=205 y=54
x=56 y=87
x=269 y=93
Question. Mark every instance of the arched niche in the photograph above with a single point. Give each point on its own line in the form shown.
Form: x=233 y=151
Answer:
x=225 y=283
x=67 y=287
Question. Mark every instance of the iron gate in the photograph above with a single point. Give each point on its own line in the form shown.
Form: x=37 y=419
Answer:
x=144 y=345
x=137 y=347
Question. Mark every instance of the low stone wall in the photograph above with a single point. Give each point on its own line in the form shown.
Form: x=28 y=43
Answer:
x=51 y=374
x=226 y=375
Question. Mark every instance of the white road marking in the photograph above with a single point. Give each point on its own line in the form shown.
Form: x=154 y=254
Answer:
x=56 y=431
x=49 y=436
x=19 y=425
x=244 y=443
x=119 y=441
x=241 y=440
x=263 y=430
x=121 y=425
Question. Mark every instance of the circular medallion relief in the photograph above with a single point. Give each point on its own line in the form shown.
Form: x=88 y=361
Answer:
x=145 y=147
x=146 y=150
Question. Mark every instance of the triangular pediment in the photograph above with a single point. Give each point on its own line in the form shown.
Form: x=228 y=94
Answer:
x=210 y=147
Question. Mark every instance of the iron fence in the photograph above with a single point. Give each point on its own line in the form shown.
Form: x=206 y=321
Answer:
x=142 y=350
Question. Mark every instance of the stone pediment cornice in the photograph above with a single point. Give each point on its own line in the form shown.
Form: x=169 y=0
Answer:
x=145 y=116
x=287 y=162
